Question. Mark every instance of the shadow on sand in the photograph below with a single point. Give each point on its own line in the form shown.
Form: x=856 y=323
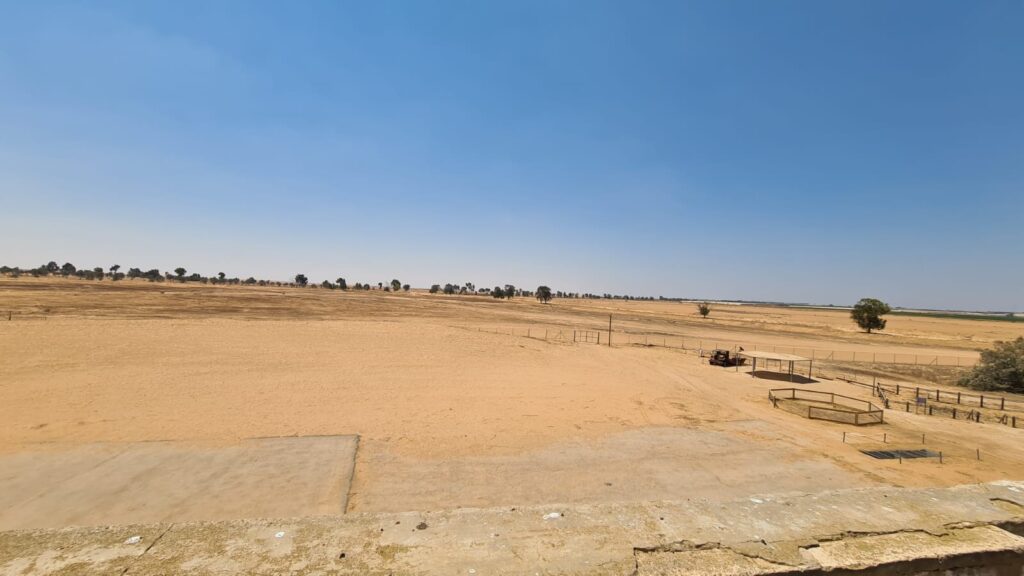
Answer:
x=783 y=377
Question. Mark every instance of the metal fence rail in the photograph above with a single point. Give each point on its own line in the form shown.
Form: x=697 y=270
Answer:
x=987 y=401
x=835 y=407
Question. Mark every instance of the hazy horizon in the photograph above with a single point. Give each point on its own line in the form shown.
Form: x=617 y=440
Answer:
x=787 y=152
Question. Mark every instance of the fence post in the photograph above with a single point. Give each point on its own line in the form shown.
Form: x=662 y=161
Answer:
x=1002 y=403
x=957 y=397
x=885 y=438
x=844 y=437
x=940 y=456
x=982 y=400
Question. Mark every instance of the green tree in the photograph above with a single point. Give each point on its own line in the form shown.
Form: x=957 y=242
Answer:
x=497 y=292
x=98 y=272
x=181 y=273
x=396 y=285
x=868 y=314
x=301 y=279
x=113 y=271
x=544 y=294
x=510 y=291
x=341 y=284
x=1001 y=369
x=405 y=287
x=435 y=288
x=704 y=309
x=68 y=269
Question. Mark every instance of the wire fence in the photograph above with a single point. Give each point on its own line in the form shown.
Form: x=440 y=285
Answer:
x=690 y=343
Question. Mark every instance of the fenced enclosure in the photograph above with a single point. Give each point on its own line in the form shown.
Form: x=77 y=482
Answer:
x=946 y=399
x=935 y=448
x=829 y=406
x=586 y=336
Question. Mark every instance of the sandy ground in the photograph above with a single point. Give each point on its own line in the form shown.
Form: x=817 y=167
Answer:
x=450 y=416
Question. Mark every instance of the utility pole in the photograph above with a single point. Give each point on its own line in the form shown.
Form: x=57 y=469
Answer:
x=609 y=330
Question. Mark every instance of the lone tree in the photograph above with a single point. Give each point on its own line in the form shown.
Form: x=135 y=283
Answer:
x=396 y=285
x=180 y=272
x=704 y=309
x=1001 y=369
x=543 y=294
x=301 y=279
x=868 y=314
x=342 y=285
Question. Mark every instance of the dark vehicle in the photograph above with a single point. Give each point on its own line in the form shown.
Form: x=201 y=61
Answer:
x=721 y=357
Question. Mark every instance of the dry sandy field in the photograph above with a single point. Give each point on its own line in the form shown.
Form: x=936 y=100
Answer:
x=108 y=388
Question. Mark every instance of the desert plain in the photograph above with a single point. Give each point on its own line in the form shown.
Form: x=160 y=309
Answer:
x=365 y=401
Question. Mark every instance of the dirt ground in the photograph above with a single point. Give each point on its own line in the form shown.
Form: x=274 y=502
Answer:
x=451 y=414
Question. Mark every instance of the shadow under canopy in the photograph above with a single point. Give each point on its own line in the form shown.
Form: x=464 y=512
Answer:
x=786 y=365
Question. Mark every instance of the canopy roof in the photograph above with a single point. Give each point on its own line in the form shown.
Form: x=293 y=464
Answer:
x=773 y=356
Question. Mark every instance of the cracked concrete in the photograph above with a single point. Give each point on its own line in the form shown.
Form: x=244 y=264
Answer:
x=869 y=531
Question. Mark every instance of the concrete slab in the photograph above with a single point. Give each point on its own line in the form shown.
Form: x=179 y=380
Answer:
x=633 y=466
x=879 y=531
x=146 y=482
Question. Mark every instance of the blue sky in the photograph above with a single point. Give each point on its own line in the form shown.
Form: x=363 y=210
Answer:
x=795 y=151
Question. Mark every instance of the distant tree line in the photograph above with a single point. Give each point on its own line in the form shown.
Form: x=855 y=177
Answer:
x=510 y=291
x=182 y=275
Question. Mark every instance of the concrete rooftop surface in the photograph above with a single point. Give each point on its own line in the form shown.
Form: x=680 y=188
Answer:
x=969 y=529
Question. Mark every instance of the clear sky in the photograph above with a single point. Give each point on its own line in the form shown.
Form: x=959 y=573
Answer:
x=796 y=151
